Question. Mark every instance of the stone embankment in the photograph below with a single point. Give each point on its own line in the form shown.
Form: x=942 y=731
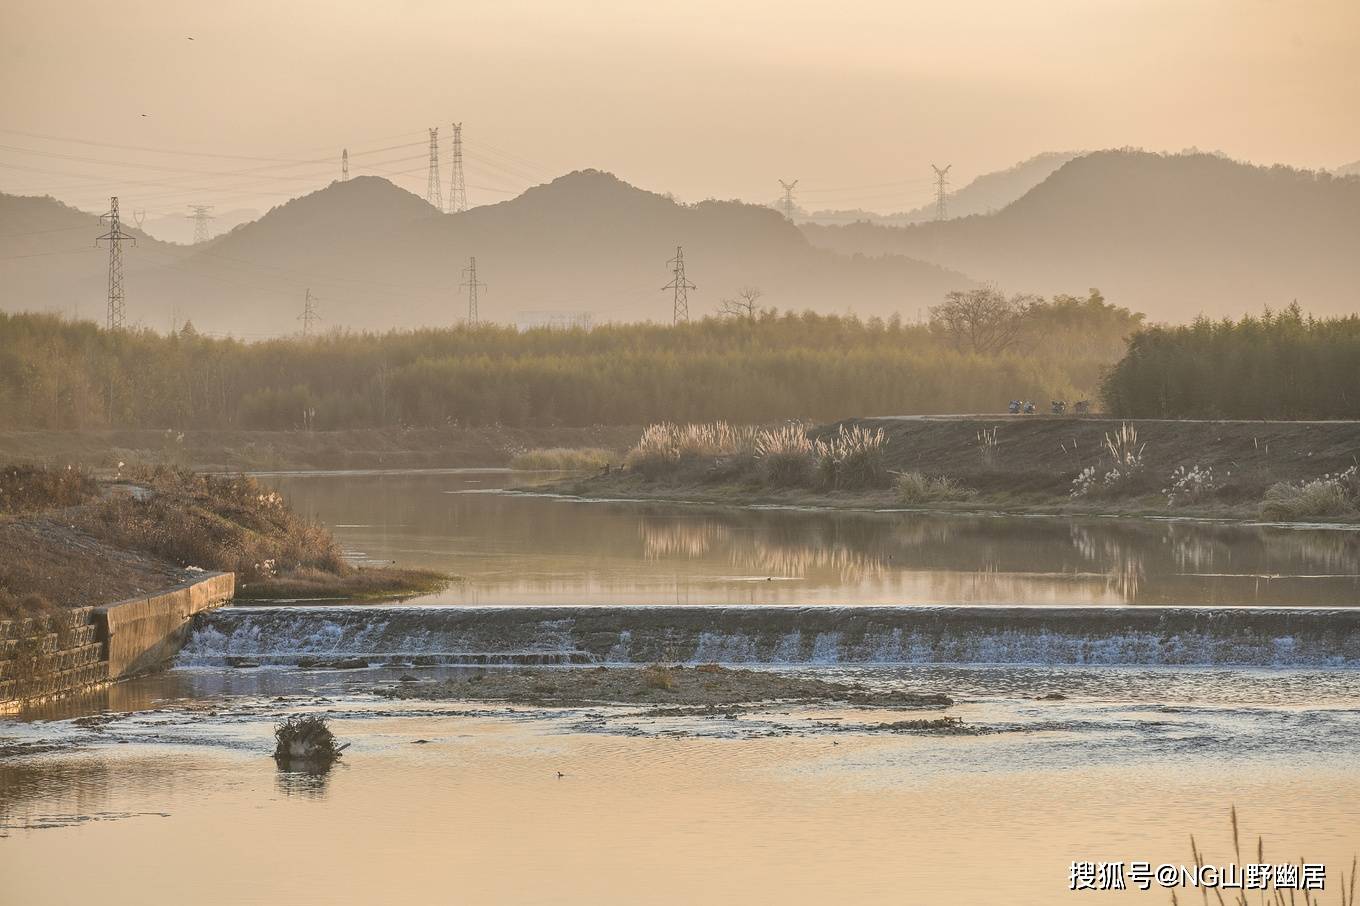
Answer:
x=45 y=656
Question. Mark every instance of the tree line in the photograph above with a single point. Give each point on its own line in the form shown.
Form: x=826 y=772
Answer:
x=1279 y=365
x=760 y=367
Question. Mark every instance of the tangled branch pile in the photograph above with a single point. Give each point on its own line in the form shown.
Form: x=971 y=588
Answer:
x=306 y=737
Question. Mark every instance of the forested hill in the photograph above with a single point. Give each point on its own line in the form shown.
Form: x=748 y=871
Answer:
x=378 y=257
x=49 y=260
x=1169 y=235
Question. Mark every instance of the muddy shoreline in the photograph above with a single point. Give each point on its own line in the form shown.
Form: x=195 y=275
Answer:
x=626 y=488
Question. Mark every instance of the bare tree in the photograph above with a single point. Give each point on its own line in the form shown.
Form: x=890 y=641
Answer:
x=744 y=305
x=981 y=320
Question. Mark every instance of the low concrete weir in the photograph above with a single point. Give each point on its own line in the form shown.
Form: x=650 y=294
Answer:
x=1182 y=636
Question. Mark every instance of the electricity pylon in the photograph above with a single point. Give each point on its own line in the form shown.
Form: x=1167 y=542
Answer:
x=681 y=287
x=344 y=163
x=433 y=193
x=115 y=237
x=941 y=189
x=470 y=272
x=202 y=214
x=457 y=188
x=309 y=315
x=786 y=203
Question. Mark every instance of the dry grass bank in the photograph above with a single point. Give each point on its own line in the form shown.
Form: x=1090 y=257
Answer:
x=68 y=540
x=1244 y=470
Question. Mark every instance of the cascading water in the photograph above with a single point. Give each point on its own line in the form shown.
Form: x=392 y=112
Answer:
x=1135 y=636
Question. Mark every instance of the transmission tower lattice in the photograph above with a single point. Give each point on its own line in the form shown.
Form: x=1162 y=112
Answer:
x=433 y=193
x=681 y=287
x=941 y=190
x=470 y=272
x=457 y=188
x=139 y=216
x=786 y=203
x=202 y=215
x=344 y=163
x=115 y=237
x=310 y=316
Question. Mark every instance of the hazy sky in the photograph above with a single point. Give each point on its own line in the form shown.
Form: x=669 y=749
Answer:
x=705 y=99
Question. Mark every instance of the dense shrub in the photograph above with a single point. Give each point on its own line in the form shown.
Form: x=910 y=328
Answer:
x=1281 y=365
x=1330 y=495
x=915 y=488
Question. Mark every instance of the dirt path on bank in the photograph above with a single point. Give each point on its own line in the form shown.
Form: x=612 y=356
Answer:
x=370 y=448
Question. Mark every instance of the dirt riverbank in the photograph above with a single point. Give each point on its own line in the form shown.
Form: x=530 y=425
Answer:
x=1031 y=466
x=67 y=540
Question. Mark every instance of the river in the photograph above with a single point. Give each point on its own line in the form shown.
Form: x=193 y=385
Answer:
x=1115 y=702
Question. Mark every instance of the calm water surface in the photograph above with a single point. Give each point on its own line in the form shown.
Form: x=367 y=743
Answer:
x=517 y=549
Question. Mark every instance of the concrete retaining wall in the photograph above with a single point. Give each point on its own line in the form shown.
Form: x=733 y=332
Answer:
x=57 y=654
x=141 y=633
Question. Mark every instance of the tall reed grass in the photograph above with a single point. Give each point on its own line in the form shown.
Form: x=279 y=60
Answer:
x=852 y=458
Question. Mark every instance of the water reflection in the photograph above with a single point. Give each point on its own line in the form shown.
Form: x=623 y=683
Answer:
x=300 y=777
x=541 y=550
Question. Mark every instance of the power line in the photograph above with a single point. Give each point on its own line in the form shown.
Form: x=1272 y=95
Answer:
x=681 y=287
x=433 y=193
x=877 y=185
x=309 y=315
x=472 y=286
x=201 y=216
x=209 y=154
x=941 y=189
x=115 y=237
x=786 y=203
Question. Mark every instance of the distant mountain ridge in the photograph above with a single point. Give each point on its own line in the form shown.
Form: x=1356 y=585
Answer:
x=49 y=260
x=1169 y=235
x=376 y=256
x=986 y=194
x=179 y=228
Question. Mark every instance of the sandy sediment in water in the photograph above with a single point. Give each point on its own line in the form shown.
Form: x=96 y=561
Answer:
x=707 y=684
